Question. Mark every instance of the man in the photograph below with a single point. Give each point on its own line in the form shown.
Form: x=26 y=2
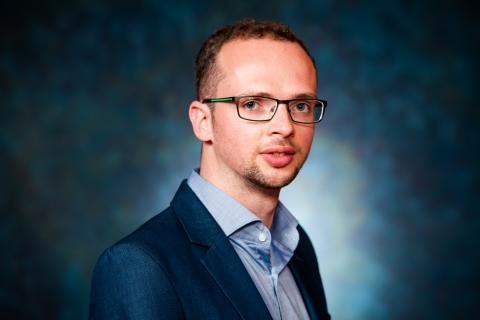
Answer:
x=226 y=248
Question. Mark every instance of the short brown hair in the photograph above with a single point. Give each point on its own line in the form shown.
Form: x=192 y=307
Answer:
x=207 y=75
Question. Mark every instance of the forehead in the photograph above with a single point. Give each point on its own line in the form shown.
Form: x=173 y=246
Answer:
x=266 y=65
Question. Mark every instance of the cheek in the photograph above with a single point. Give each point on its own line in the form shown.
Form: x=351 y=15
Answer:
x=234 y=141
x=305 y=137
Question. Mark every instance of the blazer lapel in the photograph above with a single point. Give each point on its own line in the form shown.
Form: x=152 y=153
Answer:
x=296 y=266
x=219 y=258
x=227 y=269
x=304 y=268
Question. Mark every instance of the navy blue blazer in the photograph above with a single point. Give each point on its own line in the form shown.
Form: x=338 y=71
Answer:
x=180 y=265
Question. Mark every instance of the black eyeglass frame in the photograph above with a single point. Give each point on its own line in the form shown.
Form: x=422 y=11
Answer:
x=286 y=102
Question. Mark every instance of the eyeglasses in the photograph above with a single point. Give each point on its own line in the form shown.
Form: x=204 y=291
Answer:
x=255 y=108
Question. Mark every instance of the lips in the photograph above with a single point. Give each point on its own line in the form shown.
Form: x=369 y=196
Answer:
x=278 y=157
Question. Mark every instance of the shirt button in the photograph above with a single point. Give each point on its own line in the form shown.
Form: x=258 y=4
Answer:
x=262 y=236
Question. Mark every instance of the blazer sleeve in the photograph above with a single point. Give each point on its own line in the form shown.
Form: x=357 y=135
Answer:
x=129 y=283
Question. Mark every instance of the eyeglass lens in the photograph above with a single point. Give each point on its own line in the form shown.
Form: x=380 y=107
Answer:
x=262 y=108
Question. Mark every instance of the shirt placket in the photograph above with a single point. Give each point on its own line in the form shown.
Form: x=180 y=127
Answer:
x=264 y=248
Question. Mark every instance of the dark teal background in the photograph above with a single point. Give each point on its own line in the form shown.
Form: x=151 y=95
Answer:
x=95 y=140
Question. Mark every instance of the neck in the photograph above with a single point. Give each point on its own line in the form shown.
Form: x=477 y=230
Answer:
x=261 y=201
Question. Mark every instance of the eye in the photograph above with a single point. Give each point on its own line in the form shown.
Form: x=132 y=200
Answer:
x=301 y=106
x=250 y=105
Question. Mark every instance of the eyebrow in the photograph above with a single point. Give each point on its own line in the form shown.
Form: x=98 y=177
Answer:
x=268 y=95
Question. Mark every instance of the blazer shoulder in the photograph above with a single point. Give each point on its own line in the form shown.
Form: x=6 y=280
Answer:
x=131 y=277
x=130 y=282
x=161 y=234
x=142 y=247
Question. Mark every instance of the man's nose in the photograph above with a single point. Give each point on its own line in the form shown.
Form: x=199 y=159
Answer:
x=281 y=123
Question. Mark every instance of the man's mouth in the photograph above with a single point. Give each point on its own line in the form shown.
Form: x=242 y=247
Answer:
x=278 y=157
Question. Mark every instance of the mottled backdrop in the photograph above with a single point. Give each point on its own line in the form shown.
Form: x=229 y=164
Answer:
x=95 y=140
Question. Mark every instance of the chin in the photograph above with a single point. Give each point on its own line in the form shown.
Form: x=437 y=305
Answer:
x=271 y=180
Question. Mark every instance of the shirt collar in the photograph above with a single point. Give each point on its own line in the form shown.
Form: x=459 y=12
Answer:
x=284 y=228
x=231 y=215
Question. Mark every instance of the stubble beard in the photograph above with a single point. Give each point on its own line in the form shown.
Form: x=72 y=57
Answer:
x=258 y=179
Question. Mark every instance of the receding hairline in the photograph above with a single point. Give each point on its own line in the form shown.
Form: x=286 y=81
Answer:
x=215 y=73
x=206 y=75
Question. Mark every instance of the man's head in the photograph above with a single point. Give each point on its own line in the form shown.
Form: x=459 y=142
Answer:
x=206 y=70
x=252 y=58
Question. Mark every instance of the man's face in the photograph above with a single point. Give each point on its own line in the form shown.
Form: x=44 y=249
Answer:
x=263 y=154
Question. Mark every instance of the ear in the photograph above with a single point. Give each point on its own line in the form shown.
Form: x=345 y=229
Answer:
x=201 y=118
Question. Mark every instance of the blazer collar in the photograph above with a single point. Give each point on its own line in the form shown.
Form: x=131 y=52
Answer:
x=197 y=222
x=219 y=257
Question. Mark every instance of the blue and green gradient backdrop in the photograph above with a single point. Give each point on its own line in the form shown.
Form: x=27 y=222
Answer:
x=95 y=140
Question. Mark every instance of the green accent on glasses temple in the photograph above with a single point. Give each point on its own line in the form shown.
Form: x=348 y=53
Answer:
x=219 y=99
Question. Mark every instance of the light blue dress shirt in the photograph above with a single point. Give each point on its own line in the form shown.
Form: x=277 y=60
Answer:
x=264 y=252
